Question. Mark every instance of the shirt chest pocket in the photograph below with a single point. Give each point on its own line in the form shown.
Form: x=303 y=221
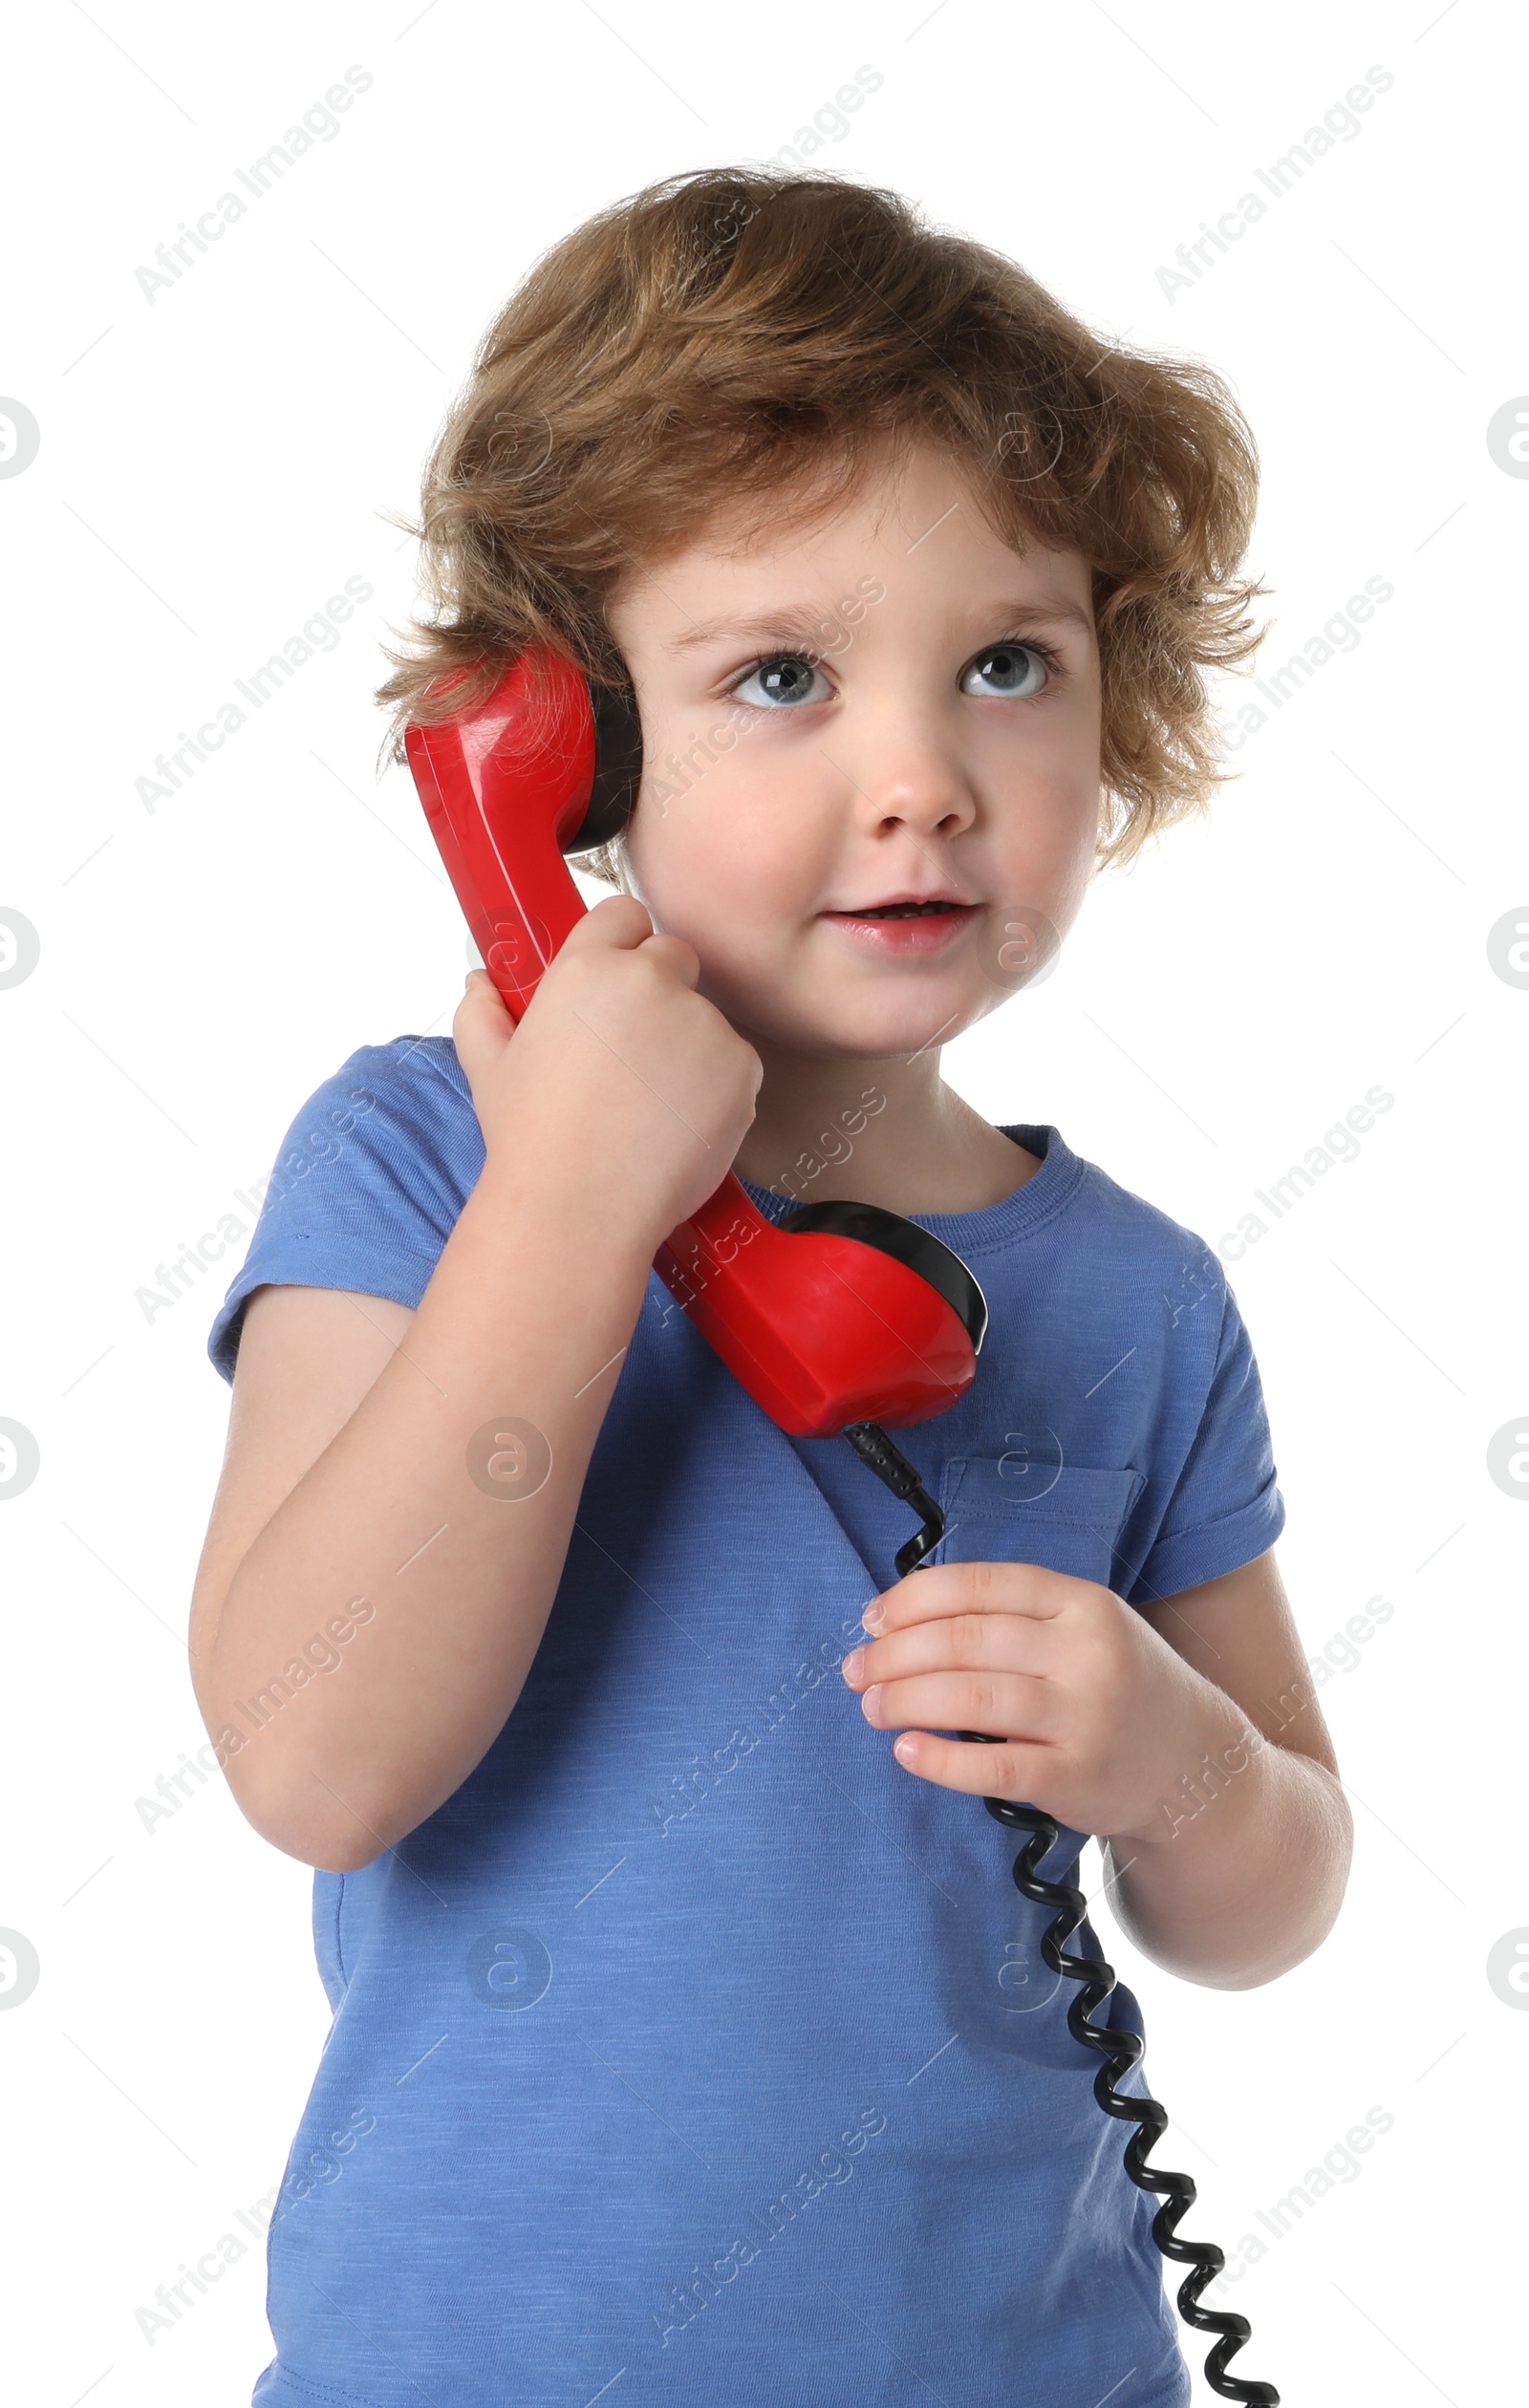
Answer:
x=1068 y=1518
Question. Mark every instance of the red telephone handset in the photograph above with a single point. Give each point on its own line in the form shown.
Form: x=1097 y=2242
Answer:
x=843 y=1314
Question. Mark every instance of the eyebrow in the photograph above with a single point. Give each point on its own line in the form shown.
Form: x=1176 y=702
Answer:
x=801 y=625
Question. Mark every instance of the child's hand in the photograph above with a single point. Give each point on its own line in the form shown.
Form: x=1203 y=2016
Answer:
x=621 y=1083
x=1100 y=1719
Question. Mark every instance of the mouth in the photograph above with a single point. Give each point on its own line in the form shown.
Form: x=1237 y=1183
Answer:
x=906 y=924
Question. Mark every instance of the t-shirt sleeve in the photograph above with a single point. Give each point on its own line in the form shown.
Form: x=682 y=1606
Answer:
x=1225 y=1508
x=366 y=1186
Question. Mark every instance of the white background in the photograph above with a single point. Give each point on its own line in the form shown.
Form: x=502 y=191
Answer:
x=215 y=463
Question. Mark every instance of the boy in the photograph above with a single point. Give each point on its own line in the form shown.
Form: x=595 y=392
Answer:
x=520 y=1621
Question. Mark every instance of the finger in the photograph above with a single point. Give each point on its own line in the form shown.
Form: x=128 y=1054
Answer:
x=672 y=954
x=1012 y=1771
x=1011 y=1706
x=945 y=1589
x=977 y=1643
x=620 y=923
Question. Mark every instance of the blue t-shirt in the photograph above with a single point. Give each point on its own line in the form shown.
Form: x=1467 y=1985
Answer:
x=694 y=2052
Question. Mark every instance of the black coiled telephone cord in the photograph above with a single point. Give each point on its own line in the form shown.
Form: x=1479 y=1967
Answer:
x=1119 y=2050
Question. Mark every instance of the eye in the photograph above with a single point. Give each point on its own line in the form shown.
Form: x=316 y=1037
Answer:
x=1013 y=670
x=785 y=679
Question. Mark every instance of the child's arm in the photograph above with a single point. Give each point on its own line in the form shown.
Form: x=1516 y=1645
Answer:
x=1241 y=1870
x=607 y=1116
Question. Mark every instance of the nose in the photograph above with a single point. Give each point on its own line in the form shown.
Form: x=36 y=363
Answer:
x=911 y=779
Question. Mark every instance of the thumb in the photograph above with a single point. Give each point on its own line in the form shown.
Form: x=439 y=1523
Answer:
x=482 y=1027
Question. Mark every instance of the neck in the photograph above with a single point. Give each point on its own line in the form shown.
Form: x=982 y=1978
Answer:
x=884 y=1132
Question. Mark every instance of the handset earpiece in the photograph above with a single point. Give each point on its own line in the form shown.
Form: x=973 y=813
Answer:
x=617 y=765
x=547 y=764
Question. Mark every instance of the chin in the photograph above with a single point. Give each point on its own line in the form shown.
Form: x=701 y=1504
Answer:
x=858 y=1027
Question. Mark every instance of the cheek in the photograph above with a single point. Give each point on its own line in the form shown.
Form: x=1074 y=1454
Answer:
x=723 y=866
x=1046 y=847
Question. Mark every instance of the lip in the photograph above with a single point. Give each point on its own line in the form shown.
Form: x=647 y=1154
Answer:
x=913 y=938
x=909 y=895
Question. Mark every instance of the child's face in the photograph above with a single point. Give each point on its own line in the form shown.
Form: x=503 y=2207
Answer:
x=891 y=706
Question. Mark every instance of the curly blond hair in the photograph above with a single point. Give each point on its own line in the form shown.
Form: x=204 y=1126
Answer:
x=725 y=330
